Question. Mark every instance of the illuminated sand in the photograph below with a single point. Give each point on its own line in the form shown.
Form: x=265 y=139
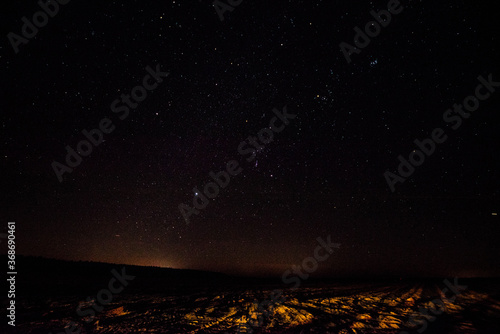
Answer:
x=330 y=309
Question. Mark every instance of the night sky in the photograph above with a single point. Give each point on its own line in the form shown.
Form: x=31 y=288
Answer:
x=323 y=174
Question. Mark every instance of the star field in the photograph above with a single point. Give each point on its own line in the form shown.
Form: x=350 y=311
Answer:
x=323 y=174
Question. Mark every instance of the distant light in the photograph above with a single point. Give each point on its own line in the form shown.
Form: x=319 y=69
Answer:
x=493 y=213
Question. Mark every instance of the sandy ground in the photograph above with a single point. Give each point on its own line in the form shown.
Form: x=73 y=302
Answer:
x=360 y=308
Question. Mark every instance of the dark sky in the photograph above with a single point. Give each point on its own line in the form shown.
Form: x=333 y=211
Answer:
x=322 y=175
